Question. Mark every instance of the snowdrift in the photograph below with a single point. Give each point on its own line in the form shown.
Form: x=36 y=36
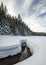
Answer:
x=37 y=45
x=39 y=51
x=9 y=46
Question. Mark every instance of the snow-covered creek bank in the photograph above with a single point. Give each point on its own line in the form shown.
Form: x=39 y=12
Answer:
x=39 y=57
x=38 y=44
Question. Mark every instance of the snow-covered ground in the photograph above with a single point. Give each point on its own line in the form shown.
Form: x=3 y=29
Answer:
x=38 y=44
x=39 y=57
x=9 y=46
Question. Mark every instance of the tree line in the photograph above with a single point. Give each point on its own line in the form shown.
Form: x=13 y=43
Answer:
x=12 y=25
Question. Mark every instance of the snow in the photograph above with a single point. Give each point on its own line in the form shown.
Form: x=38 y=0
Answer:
x=8 y=41
x=9 y=46
x=37 y=44
x=39 y=56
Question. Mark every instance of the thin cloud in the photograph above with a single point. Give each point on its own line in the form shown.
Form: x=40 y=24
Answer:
x=30 y=10
x=27 y=4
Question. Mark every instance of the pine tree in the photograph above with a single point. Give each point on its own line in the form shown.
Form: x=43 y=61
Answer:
x=12 y=25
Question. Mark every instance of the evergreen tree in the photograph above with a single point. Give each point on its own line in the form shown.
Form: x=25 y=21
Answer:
x=10 y=25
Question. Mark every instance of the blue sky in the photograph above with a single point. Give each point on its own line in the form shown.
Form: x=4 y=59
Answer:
x=33 y=12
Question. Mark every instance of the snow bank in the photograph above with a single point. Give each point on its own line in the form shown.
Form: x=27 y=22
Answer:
x=36 y=43
x=39 y=56
x=33 y=47
x=9 y=45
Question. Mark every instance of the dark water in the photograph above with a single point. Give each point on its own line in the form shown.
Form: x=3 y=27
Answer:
x=10 y=60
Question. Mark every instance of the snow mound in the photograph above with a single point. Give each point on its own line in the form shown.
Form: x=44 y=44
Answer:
x=9 y=46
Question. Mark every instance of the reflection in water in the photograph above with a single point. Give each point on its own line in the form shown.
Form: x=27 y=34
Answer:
x=10 y=60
